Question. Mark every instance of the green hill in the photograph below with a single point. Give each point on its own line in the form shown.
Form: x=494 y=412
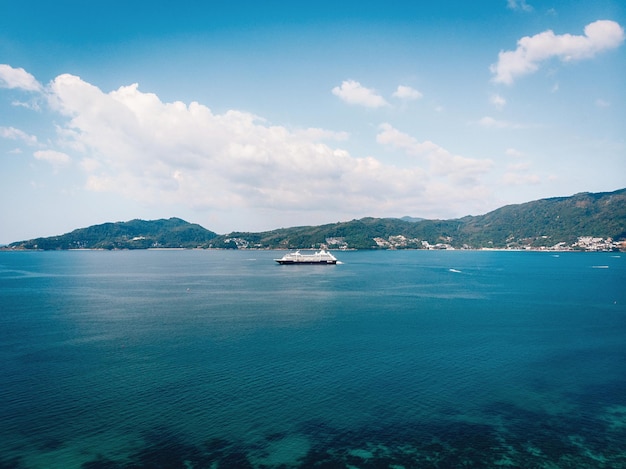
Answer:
x=537 y=224
x=555 y=222
x=547 y=222
x=134 y=234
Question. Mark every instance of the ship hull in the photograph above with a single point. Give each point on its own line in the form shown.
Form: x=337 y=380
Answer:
x=289 y=262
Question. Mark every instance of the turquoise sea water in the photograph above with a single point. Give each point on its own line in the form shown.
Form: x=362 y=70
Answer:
x=190 y=359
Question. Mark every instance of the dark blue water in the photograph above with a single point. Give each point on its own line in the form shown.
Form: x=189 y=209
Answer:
x=220 y=359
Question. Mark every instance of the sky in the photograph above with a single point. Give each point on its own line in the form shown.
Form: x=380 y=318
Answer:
x=256 y=115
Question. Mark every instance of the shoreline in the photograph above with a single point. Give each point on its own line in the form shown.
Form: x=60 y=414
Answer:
x=547 y=250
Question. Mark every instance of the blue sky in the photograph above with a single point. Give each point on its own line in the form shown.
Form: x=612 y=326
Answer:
x=258 y=115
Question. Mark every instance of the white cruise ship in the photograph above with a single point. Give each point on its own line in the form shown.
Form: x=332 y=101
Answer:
x=320 y=257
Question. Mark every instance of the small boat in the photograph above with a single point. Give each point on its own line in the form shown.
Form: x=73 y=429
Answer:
x=320 y=257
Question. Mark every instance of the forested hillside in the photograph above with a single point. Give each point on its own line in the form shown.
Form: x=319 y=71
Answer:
x=134 y=234
x=558 y=222
x=541 y=223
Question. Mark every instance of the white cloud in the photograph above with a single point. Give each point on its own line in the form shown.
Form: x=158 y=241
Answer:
x=322 y=134
x=55 y=158
x=17 y=78
x=353 y=92
x=491 y=123
x=406 y=92
x=16 y=134
x=488 y=121
x=533 y=50
x=90 y=165
x=458 y=168
x=498 y=101
x=519 y=5
x=33 y=105
x=514 y=153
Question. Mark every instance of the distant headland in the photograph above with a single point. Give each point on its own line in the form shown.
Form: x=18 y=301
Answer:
x=582 y=222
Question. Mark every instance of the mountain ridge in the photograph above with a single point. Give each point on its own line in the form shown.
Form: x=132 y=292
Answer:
x=133 y=234
x=572 y=222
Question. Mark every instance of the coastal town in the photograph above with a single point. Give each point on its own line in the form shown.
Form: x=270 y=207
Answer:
x=397 y=242
x=583 y=243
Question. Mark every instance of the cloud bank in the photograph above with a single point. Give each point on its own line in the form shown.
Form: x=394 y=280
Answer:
x=457 y=169
x=129 y=142
x=531 y=51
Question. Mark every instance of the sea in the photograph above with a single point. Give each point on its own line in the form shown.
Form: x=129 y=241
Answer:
x=390 y=359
